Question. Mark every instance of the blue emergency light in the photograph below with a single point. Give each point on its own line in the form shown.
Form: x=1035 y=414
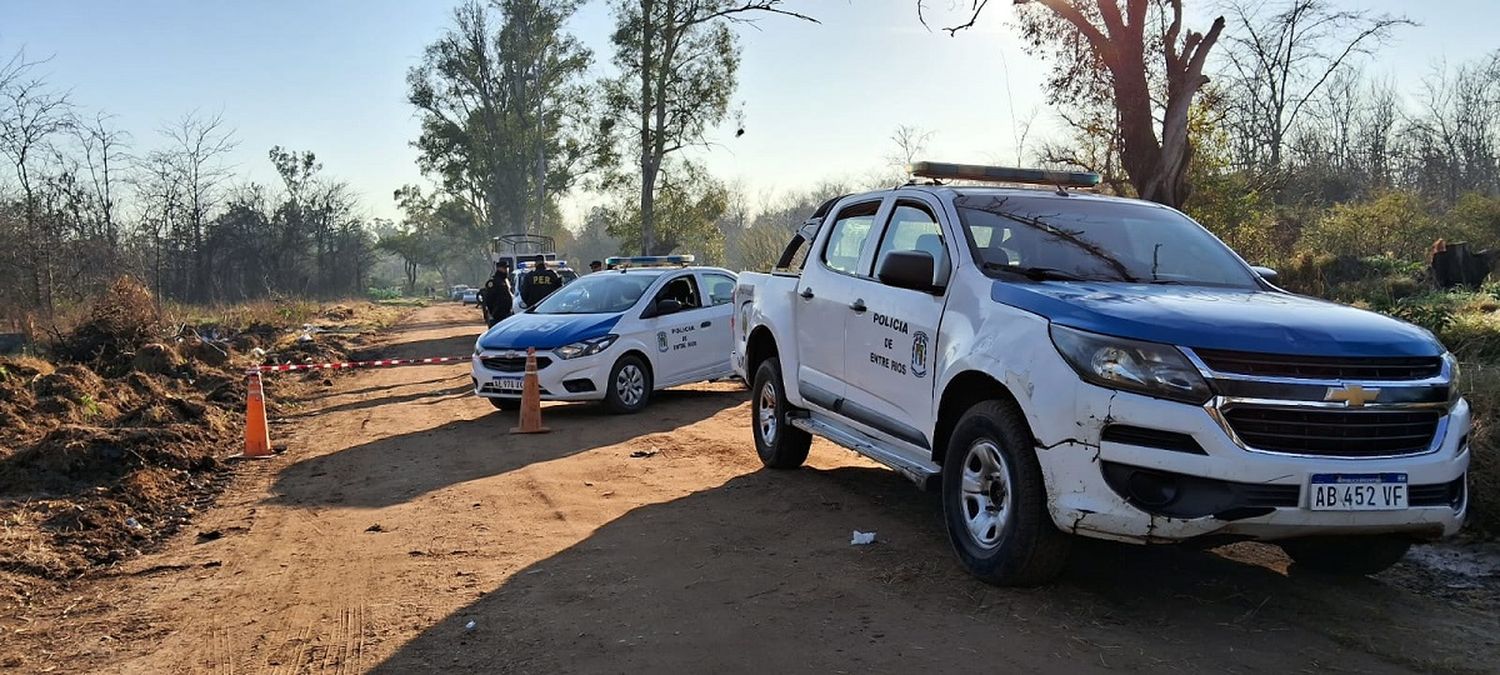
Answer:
x=1001 y=174
x=648 y=260
x=558 y=264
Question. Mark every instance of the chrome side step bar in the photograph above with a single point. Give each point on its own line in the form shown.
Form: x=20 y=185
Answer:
x=925 y=474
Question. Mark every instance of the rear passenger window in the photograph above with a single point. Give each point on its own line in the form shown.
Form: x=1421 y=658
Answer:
x=851 y=228
x=720 y=288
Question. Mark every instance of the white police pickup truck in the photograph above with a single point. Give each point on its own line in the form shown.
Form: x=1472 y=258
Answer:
x=614 y=336
x=1062 y=363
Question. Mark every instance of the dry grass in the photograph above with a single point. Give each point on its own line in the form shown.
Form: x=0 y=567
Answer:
x=1481 y=385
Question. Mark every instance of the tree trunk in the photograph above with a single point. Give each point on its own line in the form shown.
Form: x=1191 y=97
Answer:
x=647 y=103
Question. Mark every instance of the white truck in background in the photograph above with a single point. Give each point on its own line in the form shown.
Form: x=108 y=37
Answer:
x=1061 y=363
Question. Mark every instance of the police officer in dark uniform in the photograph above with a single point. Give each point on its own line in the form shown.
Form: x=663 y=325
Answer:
x=539 y=283
x=495 y=297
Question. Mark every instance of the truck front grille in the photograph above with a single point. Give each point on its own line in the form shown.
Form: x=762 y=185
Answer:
x=1334 y=433
x=1322 y=367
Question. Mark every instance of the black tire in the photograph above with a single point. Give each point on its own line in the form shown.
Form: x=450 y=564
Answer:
x=1025 y=548
x=629 y=400
x=787 y=446
x=505 y=403
x=1345 y=556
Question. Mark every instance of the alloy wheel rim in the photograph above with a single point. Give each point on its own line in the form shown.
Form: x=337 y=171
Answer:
x=987 y=497
x=767 y=413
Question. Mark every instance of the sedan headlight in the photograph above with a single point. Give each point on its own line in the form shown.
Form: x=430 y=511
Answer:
x=1143 y=367
x=585 y=347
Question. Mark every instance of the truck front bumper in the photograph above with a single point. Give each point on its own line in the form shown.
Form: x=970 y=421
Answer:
x=1252 y=494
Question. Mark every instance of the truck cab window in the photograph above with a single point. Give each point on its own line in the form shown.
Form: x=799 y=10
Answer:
x=850 y=230
x=913 y=227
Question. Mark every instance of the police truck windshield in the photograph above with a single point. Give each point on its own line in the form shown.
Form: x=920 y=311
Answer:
x=597 y=294
x=1055 y=238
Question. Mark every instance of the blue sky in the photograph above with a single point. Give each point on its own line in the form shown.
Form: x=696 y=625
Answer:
x=820 y=101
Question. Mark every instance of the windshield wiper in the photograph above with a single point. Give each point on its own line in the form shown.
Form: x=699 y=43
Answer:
x=1036 y=273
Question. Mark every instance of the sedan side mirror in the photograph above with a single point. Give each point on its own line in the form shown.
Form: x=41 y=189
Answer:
x=908 y=269
x=667 y=306
x=1265 y=272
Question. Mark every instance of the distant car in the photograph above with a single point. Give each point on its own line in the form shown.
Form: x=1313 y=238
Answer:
x=470 y=296
x=457 y=292
x=614 y=337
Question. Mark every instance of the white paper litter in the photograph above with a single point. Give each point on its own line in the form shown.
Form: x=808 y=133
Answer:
x=862 y=538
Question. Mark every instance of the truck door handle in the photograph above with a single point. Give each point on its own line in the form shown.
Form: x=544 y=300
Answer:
x=806 y=294
x=858 y=306
x=705 y=324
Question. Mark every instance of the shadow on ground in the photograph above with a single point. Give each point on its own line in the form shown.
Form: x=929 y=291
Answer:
x=758 y=574
x=396 y=469
x=460 y=346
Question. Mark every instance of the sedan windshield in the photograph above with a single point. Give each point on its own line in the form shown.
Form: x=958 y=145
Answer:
x=1058 y=238
x=597 y=294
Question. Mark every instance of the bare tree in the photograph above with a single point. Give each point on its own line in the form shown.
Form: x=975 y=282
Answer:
x=1283 y=57
x=104 y=154
x=196 y=158
x=680 y=60
x=1104 y=52
x=911 y=142
x=31 y=115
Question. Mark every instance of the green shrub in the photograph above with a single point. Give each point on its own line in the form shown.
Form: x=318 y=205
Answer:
x=1393 y=223
x=384 y=293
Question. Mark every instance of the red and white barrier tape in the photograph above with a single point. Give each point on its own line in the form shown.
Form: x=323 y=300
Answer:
x=379 y=363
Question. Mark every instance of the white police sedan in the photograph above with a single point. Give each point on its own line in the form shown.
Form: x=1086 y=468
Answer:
x=614 y=336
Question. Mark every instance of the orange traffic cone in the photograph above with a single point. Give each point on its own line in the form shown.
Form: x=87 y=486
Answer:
x=257 y=434
x=531 y=399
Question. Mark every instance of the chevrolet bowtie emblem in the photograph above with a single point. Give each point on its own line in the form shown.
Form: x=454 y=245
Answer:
x=1353 y=396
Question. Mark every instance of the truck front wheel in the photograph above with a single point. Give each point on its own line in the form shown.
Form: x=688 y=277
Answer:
x=779 y=444
x=995 y=500
x=1346 y=556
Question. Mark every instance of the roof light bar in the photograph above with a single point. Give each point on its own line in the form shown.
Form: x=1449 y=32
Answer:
x=1001 y=174
x=648 y=261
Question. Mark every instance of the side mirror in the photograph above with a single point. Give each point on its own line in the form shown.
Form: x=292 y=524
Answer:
x=907 y=269
x=667 y=306
x=1265 y=272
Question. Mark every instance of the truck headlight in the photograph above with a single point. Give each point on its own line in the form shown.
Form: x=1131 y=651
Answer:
x=1143 y=367
x=585 y=347
x=1453 y=382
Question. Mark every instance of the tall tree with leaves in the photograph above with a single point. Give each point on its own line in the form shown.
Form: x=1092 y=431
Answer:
x=504 y=111
x=1138 y=55
x=680 y=62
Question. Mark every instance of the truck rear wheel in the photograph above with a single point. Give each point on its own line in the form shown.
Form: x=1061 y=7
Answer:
x=1346 y=556
x=779 y=444
x=995 y=500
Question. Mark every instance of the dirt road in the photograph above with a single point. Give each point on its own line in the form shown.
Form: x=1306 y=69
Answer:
x=406 y=531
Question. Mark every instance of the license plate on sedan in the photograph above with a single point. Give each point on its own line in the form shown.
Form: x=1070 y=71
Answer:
x=1357 y=492
x=508 y=383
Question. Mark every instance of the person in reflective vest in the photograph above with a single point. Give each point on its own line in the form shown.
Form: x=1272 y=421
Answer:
x=539 y=283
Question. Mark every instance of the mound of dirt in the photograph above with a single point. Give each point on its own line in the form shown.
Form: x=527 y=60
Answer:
x=156 y=358
x=123 y=320
x=115 y=446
